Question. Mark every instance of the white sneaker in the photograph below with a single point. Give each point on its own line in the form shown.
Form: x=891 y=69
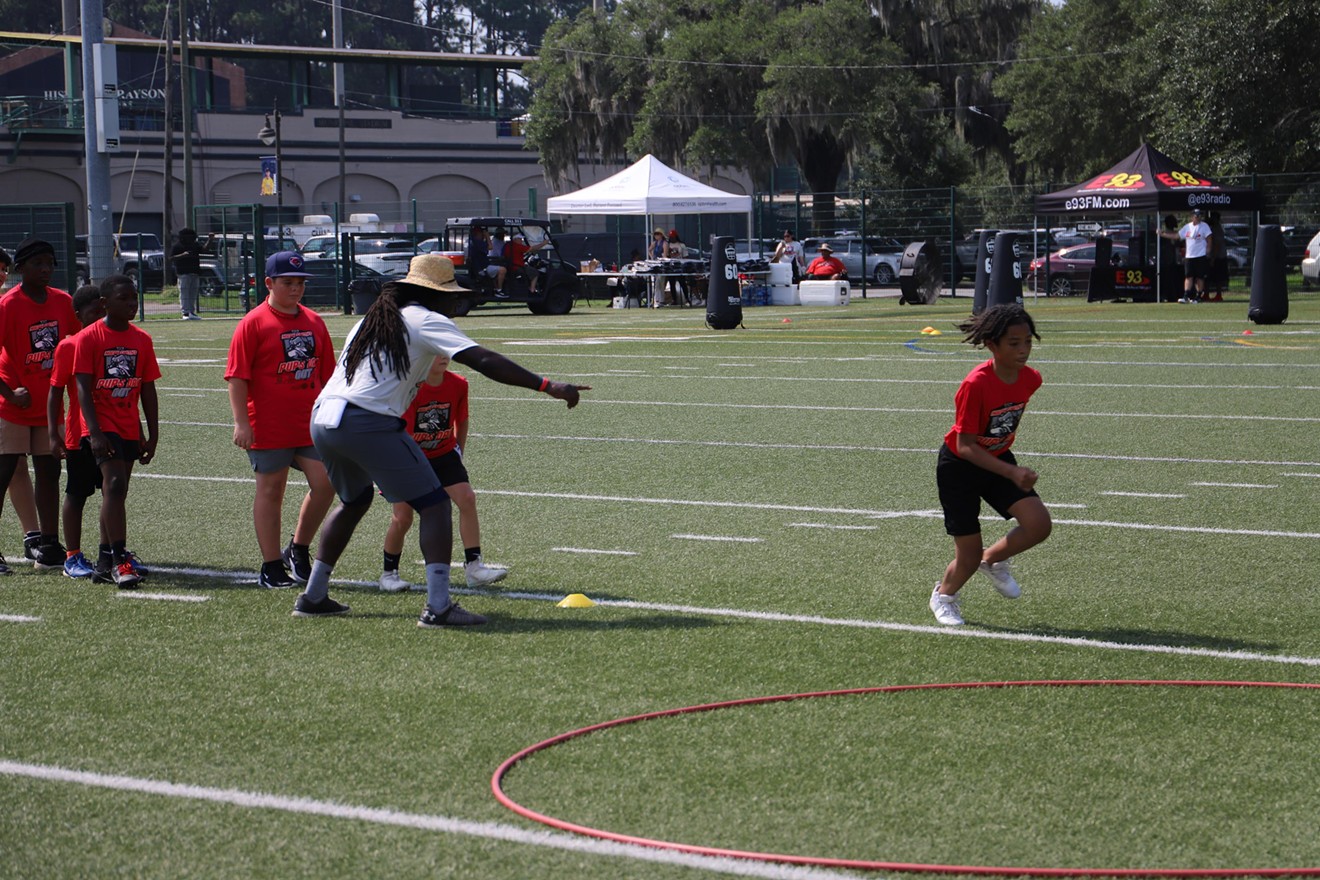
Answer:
x=945 y=608
x=1002 y=576
x=391 y=582
x=479 y=574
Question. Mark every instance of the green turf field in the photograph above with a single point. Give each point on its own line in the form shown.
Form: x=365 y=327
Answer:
x=754 y=513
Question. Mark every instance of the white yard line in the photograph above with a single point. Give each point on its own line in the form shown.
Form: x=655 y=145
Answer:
x=162 y=597
x=418 y=821
x=19 y=618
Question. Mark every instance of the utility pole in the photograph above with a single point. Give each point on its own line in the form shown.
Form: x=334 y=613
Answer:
x=185 y=106
x=100 y=222
x=167 y=207
x=339 y=96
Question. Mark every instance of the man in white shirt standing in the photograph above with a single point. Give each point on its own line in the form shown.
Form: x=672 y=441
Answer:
x=1196 y=255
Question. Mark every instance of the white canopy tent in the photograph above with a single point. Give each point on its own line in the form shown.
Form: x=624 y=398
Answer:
x=649 y=187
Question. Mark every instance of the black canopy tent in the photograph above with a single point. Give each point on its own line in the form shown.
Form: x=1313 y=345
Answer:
x=1146 y=181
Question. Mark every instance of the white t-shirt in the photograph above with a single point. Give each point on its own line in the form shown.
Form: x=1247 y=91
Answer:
x=1197 y=236
x=429 y=334
x=792 y=252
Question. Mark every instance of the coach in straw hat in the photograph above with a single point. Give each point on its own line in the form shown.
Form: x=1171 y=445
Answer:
x=826 y=267
x=359 y=430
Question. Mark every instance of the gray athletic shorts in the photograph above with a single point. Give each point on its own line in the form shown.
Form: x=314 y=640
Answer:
x=272 y=461
x=369 y=448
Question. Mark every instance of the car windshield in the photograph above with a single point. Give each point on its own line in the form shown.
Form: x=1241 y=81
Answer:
x=147 y=240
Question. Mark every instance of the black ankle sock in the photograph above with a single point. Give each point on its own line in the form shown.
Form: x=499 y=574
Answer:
x=471 y=554
x=392 y=561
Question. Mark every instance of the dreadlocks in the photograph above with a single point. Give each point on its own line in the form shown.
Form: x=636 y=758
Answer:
x=382 y=340
x=994 y=322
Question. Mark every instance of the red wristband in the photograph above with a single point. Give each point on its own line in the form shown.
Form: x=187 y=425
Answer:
x=545 y=383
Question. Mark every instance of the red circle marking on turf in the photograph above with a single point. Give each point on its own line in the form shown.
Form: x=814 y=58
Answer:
x=865 y=865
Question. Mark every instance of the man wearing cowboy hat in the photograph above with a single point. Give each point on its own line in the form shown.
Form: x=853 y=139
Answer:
x=358 y=427
x=826 y=267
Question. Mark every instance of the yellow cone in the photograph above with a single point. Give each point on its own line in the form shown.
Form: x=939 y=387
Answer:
x=575 y=600
x=926 y=331
x=935 y=332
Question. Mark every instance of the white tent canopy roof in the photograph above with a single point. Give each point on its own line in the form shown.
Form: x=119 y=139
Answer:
x=649 y=187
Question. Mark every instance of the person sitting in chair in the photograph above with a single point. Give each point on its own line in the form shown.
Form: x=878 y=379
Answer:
x=826 y=267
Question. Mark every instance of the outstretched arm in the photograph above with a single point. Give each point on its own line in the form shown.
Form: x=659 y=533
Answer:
x=496 y=366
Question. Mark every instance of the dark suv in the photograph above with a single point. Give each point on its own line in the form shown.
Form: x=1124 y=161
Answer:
x=557 y=284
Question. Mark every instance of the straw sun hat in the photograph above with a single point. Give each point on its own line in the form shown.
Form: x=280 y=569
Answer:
x=434 y=272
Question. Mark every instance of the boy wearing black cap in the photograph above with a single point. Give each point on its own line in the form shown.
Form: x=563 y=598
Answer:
x=279 y=358
x=34 y=317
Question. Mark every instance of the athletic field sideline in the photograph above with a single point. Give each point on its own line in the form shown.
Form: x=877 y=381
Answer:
x=752 y=513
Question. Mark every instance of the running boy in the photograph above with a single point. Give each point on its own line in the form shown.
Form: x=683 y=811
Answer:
x=975 y=462
x=115 y=366
x=438 y=420
x=279 y=359
x=66 y=438
x=34 y=317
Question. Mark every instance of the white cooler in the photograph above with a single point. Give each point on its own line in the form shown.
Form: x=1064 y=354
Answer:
x=783 y=292
x=823 y=293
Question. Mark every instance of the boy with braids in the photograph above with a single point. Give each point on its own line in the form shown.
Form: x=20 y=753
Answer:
x=976 y=463
x=358 y=427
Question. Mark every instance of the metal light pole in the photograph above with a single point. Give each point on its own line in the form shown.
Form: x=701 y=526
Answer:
x=269 y=136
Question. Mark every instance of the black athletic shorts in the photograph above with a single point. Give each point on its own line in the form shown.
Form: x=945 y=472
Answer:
x=84 y=477
x=963 y=486
x=1196 y=267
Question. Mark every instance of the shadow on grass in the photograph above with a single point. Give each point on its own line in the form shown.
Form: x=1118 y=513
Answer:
x=1141 y=637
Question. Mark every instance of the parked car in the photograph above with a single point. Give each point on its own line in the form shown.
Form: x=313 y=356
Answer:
x=872 y=258
x=317 y=245
x=1311 y=263
x=137 y=255
x=1070 y=268
x=965 y=250
x=324 y=287
x=231 y=261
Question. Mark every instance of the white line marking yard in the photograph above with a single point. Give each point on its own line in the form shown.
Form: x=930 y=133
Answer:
x=728 y=538
x=588 y=550
x=162 y=597
x=1238 y=485
x=1144 y=494
x=19 y=618
x=419 y=821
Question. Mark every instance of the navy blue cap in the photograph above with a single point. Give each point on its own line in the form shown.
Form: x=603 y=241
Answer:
x=286 y=264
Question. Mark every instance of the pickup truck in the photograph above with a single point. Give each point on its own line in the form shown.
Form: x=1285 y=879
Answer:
x=145 y=266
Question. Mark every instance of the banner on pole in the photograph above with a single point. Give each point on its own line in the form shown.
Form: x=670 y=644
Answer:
x=270 y=176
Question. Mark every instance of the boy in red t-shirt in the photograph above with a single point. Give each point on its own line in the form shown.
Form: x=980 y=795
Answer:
x=976 y=463
x=115 y=365
x=66 y=441
x=34 y=317
x=279 y=359
x=438 y=421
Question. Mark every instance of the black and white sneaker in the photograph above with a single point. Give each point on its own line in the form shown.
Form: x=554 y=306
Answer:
x=454 y=615
x=327 y=607
x=49 y=556
x=4 y=566
x=274 y=577
x=298 y=562
x=31 y=544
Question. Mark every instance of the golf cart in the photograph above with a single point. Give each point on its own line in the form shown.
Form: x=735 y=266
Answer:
x=557 y=283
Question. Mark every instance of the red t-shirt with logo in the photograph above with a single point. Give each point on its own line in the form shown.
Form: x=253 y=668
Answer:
x=63 y=383
x=989 y=409
x=29 y=333
x=436 y=413
x=118 y=361
x=285 y=359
